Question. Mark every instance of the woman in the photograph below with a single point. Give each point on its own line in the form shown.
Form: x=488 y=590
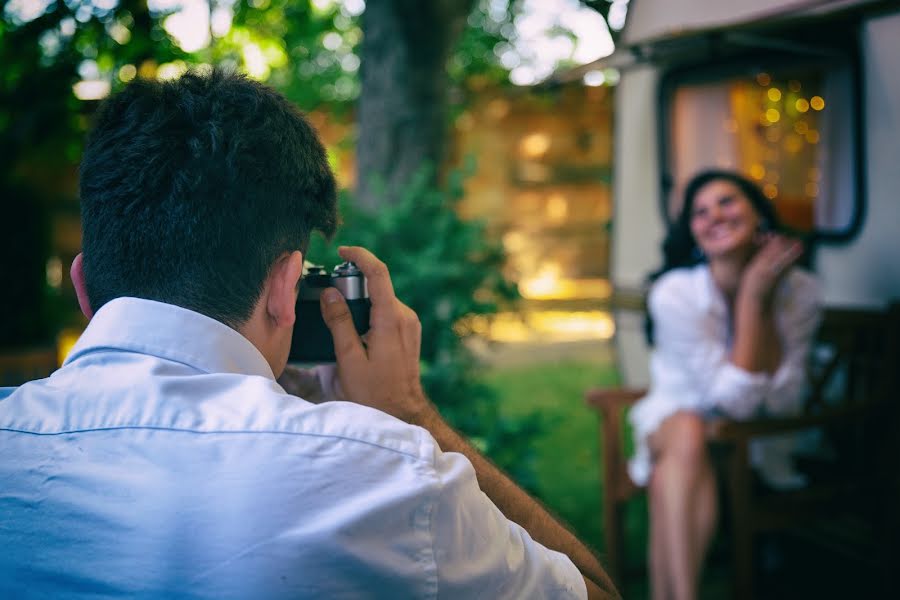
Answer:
x=731 y=321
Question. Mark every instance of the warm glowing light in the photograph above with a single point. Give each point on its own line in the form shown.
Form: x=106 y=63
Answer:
x=497 y=109
x=812 y=136
x=817 y=102
x=543 y=326
x=774 y=94
x=545 y=284
x=65 y=342
x=801 y=127
x=535 y=145
x=515 y=241
x=548 y=284
x=509 y=328
x=757 y=171
x=148 y=68
x=793 y=143
x=557 y=208
x=812 y=189
x=772 y=115
x=802 y=105
x=559 y=325
x=771 y=191
x=763 y=79
x=91 y=90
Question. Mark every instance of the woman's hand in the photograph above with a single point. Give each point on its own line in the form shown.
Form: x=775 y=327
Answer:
x=776 y=255
x=383 y=373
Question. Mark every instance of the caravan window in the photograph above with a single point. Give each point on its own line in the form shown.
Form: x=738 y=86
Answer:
x=789 y=128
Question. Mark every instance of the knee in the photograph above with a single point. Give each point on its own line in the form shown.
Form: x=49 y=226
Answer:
x=685 y=439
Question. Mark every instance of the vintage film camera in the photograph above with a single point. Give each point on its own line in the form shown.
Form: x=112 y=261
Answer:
x=312 y=340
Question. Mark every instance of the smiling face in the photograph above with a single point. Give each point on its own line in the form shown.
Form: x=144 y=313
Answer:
x=723 y=221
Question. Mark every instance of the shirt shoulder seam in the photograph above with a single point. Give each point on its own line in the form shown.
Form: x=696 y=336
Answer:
x=219 y=432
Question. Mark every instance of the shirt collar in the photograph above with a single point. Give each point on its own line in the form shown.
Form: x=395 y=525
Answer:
x=173 y=333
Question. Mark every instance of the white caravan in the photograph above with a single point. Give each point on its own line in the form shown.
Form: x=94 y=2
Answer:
x=804 y=96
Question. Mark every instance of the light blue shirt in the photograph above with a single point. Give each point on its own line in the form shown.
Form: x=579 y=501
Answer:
x=164 y=461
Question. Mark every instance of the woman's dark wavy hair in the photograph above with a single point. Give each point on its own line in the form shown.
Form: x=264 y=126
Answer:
x=680 y=249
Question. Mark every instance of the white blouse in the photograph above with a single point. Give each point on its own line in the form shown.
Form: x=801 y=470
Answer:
x=691 y=371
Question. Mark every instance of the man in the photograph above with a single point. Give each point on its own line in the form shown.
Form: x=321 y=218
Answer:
x=164 y=460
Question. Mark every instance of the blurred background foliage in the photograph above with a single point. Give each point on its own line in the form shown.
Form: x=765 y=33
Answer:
x=445 y=268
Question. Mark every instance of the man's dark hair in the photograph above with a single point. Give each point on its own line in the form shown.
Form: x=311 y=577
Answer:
x=191 y=189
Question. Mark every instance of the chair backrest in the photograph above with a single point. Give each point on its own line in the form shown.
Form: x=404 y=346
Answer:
x=17 y=367
x=849 y=359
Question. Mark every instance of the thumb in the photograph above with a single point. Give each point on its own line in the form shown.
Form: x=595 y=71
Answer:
x=348 y=348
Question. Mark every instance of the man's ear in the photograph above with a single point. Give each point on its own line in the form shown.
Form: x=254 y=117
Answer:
x=282 y=297
x=77 y=273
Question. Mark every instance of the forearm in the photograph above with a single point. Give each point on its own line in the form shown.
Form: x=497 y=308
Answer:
x=757 y=347
x=519 y=507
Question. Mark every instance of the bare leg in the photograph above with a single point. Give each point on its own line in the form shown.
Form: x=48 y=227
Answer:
x=659 y=578
x=683 y=505
x=706 y=514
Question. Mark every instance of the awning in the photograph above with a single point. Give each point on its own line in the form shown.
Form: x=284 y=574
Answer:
x=678 y=33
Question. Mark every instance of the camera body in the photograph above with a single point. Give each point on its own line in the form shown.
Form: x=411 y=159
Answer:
x=312 y=341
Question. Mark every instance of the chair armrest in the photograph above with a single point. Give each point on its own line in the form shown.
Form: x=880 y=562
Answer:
x=610 y=399
x=725 y=430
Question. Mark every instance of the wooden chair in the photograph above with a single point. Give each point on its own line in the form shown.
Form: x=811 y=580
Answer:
x=852 y=373
x=17 y=367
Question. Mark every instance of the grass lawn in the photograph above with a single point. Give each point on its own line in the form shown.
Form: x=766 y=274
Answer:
x=567 y=459
x=567 y=456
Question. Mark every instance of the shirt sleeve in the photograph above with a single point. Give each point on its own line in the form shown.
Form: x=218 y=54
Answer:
x=479 y=553
x=692 y=342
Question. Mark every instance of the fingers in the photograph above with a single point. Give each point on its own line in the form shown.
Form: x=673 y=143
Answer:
x=388 y=313
x=787 y=255
x=411 y=331
x=348 y=348
x=779 y=253
x=378 y=279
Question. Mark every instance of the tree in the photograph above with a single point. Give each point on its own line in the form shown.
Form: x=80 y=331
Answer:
x=402 y=105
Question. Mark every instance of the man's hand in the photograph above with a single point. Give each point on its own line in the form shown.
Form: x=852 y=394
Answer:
x=384 y=372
